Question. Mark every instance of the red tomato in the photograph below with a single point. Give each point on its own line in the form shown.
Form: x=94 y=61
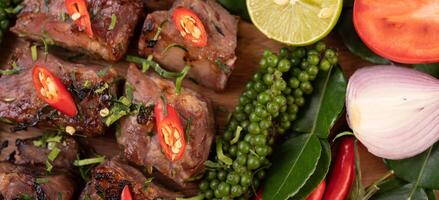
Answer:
x=77 y=10
x=170 y=131
x=50 y=88
x=404 y=31
x=190 y=26
x=126 y=194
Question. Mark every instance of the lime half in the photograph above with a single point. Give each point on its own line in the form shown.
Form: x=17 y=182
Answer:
x=295 y=22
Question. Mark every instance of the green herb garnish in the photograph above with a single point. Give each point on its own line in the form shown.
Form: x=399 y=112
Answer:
x=225 y=68
x=41 y=180
x=34 y=53
x=113 y=22
x=89 y=161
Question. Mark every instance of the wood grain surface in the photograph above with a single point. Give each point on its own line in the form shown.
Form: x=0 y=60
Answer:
x=251 y=44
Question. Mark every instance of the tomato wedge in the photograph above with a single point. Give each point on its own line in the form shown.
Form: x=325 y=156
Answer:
x=50 y=88
x=77 y=10
x=126 y=194
x=404 y=31
x=170 y=131
x=190 y=26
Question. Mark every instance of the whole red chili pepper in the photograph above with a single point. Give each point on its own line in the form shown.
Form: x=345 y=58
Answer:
x=317 y=194
x=343 y=171
x=258 y=195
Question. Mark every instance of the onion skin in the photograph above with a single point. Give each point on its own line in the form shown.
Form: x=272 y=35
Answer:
x=393 y=111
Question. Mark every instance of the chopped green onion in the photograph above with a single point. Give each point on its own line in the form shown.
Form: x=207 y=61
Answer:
x=87 y=84
x=34 y=52
x=129 y=91
x=226 y=69
x=219 y=151
x=125 y=101
x=49 y=166
x=172 y=46
x=15 y=69
x=53 y=154
x=89 y=161
x=147 y=182
x=113 y=22
x=146 y=63
x=59 y=196
x=237 y=135
x=102 y=88
x=180 y=79
x=41 y=180
x=103 y=72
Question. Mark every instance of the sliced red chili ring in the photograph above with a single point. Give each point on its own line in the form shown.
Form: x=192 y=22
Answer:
x=77 y=10
x=190 y=26
x=126 y=194
x=50 y=88
x=170 y=131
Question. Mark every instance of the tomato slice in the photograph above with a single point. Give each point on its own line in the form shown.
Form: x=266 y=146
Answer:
x=50 y=88
x=404 y=31
x=126 y=194
x=190 y=26
x=170 y=132
x=77 y=10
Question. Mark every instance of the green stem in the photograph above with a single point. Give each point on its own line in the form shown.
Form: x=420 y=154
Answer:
x=372 y=189
x=180 y=79
x=148 y=62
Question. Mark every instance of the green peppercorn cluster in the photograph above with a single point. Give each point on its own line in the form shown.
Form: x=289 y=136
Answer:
x=8 y=8
x=268 y=105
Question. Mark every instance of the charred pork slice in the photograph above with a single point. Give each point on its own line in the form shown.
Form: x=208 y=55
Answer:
x=158 y=4
x=109 y=179
x=91 y=86
x=32 y=147
x=18 y=182
x=211 y=64
x=43 y=20
x=140 y=141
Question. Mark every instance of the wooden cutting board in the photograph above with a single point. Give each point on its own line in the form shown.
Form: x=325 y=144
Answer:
x=251 y=44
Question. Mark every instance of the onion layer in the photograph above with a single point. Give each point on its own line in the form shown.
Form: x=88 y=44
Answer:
x=393 y=111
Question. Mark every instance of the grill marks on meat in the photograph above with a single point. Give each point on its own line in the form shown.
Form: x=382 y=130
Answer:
x=18 y=148
x=221 y=28
x=16 y=181
x=143 y=149
x=109 y=179
x=43 y=20
x=28 y=109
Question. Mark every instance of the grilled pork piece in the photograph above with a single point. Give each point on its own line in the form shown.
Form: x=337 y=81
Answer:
x=43 y=20
x=158 y=4
x=32 y=147
x=109 y=179
x=139 y=139
x=211 y=64
x=18 y=182
x=86 y=84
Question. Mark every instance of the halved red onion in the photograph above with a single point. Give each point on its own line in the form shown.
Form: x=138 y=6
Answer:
x=393 y=111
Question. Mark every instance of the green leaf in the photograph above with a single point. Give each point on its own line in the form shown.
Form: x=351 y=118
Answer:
x=432 y=69
x=293 y=164
x=397 y=189
x=319 y=174
x=423 y=169
x=353 y=42
x=237 y=7
x=325 y=105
